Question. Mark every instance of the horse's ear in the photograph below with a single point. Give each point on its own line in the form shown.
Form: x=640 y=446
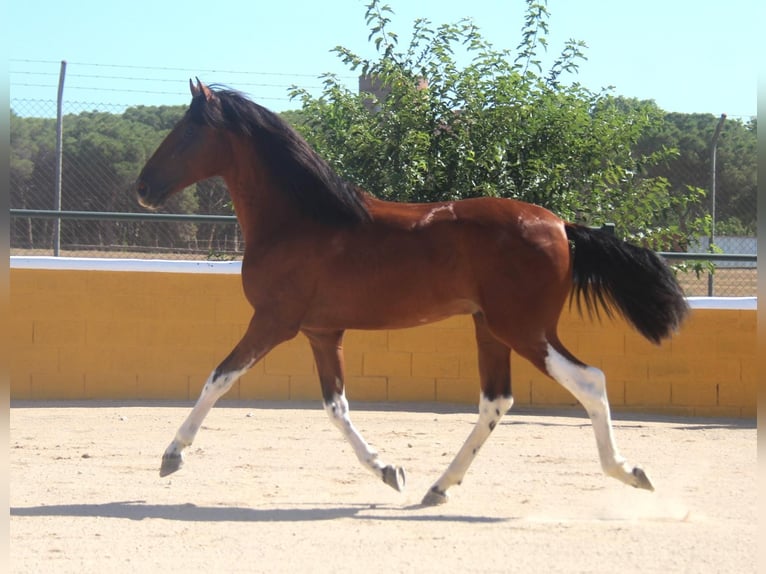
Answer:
x=200 y=88
x=209 y=96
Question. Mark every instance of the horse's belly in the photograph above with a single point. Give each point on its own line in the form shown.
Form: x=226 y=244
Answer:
x=386 y=310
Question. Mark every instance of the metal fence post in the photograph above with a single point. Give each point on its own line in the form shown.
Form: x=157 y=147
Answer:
x=59 y=158
x=713 y=148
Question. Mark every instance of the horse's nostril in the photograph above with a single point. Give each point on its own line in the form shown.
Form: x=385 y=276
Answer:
x=142 y=189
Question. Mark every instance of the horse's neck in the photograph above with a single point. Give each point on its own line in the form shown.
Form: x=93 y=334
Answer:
x=262 y=212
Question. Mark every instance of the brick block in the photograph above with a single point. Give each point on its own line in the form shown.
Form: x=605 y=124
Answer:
x=121 y=283
x=461 y=391
x=152 y=385
x=693 y=342
x=387 y=363
x=187 y=309
x=647 y=393
x=353 y=363
x=367 y=388
x=718 y=412
x=51 y=306
x=735 y=344
x=263 y=387
x=694 y=394
x=468 y=365
x=523 y=377
x=521 y=390
x=21 y=387
x=454 y=340
x=136 y=307
x=20 y=333
x=366 y=340
x=82 y=359
x=743 y=395
x=670 y=369
x=63 y=333
x=55 y=386
x=548 y=392
x=100 y=307
x=110 y=385
x=60 y=281
x=600 y=343
x=100 y=333
x=22 y=282
x=748 y=370
x=714 y=319
x=217 y=337
x=418 y=340
x=748 y=321
x=636 y=345
x=232 y=308
x=305 y=388
x=411 y=389
x=714 y=369
x=735 y=394
x=626 y=368
x=615 y=392
x=659 y=409
x=34 y=359
x=436 y=365
x=290 y=358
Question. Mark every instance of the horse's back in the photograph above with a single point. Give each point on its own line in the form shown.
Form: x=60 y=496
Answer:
x=503 y=234
x=417 y=263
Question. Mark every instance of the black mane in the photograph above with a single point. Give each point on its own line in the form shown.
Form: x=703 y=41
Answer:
x=295 y=167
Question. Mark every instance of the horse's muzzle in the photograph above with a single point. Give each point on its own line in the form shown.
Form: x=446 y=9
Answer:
x=144 y=195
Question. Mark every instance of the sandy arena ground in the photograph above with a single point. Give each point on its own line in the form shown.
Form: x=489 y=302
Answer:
x=274 y=488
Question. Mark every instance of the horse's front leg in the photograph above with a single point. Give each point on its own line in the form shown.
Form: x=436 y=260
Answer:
x=328 y=353
x=262 y=335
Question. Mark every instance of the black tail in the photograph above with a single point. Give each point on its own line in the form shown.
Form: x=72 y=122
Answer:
x=632 y=280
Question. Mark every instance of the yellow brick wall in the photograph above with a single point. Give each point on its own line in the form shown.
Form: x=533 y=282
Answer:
x=148 y=335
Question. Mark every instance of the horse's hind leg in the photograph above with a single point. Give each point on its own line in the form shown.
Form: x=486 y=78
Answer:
x=328 y=353
x=261 y=336
x=588 y=385
x=494 y=402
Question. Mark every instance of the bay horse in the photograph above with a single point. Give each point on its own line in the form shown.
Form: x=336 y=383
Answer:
x=322 y=256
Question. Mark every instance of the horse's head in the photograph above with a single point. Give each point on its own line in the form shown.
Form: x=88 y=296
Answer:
x=185 y=156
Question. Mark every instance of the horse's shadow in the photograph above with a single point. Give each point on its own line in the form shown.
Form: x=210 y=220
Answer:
x=140 y=510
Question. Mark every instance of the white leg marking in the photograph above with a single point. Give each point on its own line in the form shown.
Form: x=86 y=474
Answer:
x=490 y=413
x=588 y=385
x=215 y=387
x=337 y=410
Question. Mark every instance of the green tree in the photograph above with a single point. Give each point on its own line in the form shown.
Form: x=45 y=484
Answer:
x=32 y=167
x=689 y=167
x=498 y=126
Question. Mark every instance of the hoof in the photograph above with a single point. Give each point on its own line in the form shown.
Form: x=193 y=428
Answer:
x=171 y=463
x=434 y=497
x=394 y=477
x=642 y=481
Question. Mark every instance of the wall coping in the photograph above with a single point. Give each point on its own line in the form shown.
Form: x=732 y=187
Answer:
x=234 y=268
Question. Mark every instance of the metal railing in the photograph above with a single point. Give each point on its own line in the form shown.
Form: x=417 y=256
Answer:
x=121 y=216
x=749 y=259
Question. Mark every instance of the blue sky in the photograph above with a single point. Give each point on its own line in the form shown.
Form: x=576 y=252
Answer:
x=688 y=56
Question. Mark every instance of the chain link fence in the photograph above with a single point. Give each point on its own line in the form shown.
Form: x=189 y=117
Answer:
x=105 y=145
x=103 y=149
